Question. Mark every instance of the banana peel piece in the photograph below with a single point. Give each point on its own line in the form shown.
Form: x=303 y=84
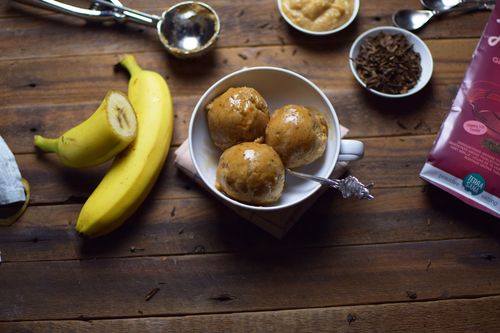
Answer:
x=14 y=217
x=108 y=131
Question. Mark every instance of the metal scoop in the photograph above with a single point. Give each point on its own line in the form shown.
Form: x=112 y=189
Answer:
x=186 y=29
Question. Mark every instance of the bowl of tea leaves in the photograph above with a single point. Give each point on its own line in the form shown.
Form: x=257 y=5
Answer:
x=391 y=62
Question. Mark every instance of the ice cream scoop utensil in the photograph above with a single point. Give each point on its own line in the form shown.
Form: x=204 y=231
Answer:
x=186 y=29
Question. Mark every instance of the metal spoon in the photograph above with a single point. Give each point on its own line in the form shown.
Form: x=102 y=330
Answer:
x=410 y=19
x=441 y=5
x=186 y=29
x=349 y=186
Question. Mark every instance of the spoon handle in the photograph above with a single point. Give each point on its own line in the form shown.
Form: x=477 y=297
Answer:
x=58 y=6
x=469 y=5
x=100 y=10
x=349 y=186
x=123 y=13
x=440 y=5
x=485 y=3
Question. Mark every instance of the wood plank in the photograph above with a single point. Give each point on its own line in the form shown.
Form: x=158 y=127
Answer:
x=41 y=96
x=44 y=81
x=204 y=225
x=249 y=281
x=467 y=315
x=413 y=253
x=23 y=122
x=51 y=182
x=369 y=117
x=258 y=23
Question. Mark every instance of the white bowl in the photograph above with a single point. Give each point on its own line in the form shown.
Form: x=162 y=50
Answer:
x=419 y=46
x=278 y=87
x=321 y=33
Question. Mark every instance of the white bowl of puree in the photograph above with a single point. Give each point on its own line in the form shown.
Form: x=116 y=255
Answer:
x=319 y=17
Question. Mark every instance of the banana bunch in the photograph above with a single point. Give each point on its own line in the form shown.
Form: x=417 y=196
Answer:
x=135 y=170
x=137 y=131
x=109 y=130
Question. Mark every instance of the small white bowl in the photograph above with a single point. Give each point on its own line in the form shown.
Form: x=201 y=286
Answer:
x=321 y=33
x=419 y=46
x=279 y=87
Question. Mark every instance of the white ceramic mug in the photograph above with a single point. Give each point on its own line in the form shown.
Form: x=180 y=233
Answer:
x=279 y=87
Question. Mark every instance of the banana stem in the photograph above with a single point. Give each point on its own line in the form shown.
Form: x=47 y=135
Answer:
x=130 y=64
x=47 y=145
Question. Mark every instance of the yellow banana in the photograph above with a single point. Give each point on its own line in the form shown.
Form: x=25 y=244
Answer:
x=135 y=170
x=109 y=130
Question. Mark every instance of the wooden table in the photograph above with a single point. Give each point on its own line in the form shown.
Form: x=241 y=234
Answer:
x=415 y=259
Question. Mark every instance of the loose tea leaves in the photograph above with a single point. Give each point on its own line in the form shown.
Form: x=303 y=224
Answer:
x=388 y=63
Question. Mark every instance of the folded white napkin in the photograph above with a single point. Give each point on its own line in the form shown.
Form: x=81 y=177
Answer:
x=277 y=223
x=11 y=187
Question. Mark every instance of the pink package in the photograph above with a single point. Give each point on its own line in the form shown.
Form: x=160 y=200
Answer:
x=465 y=157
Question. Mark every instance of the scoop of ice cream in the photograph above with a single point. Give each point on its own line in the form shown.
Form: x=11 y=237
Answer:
x=251 y=172
x=238 y=115
x=298 y=134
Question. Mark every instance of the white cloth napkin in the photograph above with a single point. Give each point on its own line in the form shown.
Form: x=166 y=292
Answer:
x=277 y=223
x=11 y=187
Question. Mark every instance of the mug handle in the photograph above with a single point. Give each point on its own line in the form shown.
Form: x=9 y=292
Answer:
x=351 y=150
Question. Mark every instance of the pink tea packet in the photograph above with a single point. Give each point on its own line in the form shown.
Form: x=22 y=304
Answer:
x=465 y=157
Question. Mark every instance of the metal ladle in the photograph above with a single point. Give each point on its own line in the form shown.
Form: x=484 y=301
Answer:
x=186 y=29
x=350 y=186
x=410 y=19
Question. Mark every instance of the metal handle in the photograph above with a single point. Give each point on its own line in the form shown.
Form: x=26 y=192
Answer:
x=58 y=6
x=350 y=186
x=468 y=5
x=129 y=13
x=485 y=2
x=100 y=10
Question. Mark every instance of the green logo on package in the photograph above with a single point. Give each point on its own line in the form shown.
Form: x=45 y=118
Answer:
x=474 y=183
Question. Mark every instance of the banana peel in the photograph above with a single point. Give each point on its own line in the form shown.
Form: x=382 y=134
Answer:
x=15 y=216
x=109 y=130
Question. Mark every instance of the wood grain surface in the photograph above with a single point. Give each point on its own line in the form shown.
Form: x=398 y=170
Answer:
x=415 y=259
x=465 y=315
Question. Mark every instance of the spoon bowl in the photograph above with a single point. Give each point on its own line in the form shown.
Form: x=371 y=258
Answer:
x=188 y=28
x=410 y=19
